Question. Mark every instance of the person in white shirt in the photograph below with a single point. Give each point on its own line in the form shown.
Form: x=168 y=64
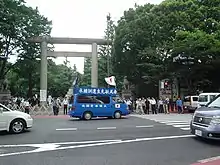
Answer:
x=160 y=106
x=140 y=106
x=65 y=106
x=26 y=107
x=129 y=103
x=153 y=106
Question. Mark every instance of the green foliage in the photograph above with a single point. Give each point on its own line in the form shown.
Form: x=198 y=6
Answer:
x=18 y=23
x=148 y=37
x=60 y=78
x=86 y=78
x=104 y=52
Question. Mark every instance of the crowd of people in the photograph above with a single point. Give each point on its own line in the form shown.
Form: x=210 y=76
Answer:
x=140 y=105
x=154 y=106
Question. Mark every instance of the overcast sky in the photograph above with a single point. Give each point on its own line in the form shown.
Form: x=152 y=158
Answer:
x=81 y=19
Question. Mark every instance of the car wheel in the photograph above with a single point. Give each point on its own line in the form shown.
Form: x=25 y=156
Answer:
x=117 y=115
x=17 y=126
x=87 y=115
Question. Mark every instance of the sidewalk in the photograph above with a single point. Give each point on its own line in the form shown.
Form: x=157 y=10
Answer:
x=50 y=116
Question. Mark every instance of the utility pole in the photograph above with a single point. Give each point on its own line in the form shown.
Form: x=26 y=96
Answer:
x=108 y=45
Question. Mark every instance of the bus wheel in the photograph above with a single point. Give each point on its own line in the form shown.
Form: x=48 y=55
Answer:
x=117 y=115
x=87 y=115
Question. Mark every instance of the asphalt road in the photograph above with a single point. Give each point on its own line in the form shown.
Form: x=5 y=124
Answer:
x=129 y=141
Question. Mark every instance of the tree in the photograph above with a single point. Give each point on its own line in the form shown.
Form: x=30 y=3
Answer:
x=17 y=22
x=60 y=78
x=135 y=53
x=148 y=39
x=193 y=27
x=86 y=77
x=103 y=52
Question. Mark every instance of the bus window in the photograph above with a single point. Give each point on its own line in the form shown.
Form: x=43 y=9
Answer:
x=117 y=100
x=93 y=99
x=104 y=99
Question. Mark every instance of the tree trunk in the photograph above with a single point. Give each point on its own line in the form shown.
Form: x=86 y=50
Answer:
x=30 y=85
x=2 y=75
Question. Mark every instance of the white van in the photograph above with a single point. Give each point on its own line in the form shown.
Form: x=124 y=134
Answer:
x=190 y=103
x=205 y=98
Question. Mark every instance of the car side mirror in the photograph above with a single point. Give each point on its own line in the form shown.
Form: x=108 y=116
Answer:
x=1 y=110
x=202 y=105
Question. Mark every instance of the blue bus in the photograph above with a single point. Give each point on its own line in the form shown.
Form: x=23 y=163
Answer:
x=97 y=102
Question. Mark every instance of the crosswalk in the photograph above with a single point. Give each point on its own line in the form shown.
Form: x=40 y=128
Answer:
x=181 y=121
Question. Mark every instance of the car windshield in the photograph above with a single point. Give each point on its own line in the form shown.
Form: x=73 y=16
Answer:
x=215 y=103
x=195 y=98
x=186 y=99
x=203 y=98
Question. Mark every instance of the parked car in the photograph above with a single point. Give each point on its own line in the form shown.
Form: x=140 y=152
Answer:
x=190 y=103
x=14 y=121
x=206 y=120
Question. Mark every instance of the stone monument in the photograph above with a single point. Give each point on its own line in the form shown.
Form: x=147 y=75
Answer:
x=5 y=94
x=126 y=92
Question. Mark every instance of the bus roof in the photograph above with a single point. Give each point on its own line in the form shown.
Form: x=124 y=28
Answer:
x=95 y=91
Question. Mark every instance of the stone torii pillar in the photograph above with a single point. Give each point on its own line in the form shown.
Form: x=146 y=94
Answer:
x=94 y=69
x=59 y=40
x=43 y=73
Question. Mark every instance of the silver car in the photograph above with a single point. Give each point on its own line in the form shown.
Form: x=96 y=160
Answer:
x=206 y=120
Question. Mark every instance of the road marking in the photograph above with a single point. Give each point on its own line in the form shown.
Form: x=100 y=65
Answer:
x=164 y=122
x=209 y=159
x=179 y=126
x=54 y=147
x=60 y=143
x=107 y=128
x=177 y=123
x=185 y=129
x=66 y=129
x=144 y=126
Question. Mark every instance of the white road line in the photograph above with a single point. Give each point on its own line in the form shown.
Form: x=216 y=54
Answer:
x=179 y=126
x=144 y=126
x=55 y=148
x=106 y=128
x=60 y=143
x=173 y=121
x=176 y=123
x=185 y=129
x=66 y=129
x=209 y=159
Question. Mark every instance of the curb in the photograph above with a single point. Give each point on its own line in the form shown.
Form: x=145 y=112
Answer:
x=51 y=117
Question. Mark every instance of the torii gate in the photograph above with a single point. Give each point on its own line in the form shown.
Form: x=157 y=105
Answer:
x=60 y=40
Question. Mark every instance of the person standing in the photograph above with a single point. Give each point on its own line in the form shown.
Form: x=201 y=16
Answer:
x=65 y=106
x=153 y=106
x=147 y=106
x=55 y=107
x=27 y=107
x=166 y=106
x=179 y=105
x=139 y=106
x=160 y=105
x=144 y=104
